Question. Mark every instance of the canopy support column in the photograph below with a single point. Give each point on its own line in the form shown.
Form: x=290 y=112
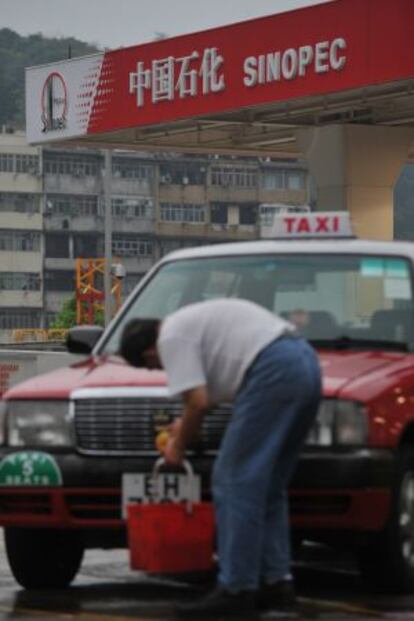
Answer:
x=355 y=168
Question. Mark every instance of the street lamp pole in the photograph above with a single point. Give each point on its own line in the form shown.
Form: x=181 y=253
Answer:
x=108 y=236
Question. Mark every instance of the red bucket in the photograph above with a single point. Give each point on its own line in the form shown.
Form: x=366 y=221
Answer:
x=171 y=538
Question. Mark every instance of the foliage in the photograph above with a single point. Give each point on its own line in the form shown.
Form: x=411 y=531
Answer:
x=67 y=317
x=16 y=53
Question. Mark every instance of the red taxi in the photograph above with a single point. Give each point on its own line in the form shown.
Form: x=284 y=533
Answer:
x=78 y=444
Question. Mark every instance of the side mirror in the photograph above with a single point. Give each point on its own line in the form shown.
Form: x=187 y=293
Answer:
x=82 y=339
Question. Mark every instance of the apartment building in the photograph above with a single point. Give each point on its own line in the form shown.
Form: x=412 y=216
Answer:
x=21 y=237
x=52 y=212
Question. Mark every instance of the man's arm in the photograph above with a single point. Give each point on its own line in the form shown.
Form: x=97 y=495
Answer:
x=186 y=429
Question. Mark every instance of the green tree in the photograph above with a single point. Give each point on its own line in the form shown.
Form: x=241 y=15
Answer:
x=66 y=319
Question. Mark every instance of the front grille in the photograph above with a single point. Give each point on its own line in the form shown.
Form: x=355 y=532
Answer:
x=95 y=507
x=314 y=504
x=128 y=426
x=25 y=504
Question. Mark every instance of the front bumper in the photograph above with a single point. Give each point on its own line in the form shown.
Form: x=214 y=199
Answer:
x=347 y=491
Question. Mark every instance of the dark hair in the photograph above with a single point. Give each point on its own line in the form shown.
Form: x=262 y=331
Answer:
x=138 y=336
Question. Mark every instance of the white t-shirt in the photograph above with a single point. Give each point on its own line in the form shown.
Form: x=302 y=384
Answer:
x=213 y=343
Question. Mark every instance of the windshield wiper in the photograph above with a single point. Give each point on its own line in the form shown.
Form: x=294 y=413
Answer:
x=349 y=342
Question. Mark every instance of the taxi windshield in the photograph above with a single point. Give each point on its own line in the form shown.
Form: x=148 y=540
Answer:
x=334 y=300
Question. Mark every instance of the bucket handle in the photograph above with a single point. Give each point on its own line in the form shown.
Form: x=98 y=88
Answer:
x=189 y=472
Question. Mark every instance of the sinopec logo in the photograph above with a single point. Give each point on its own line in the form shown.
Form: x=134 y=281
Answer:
x=54 y=103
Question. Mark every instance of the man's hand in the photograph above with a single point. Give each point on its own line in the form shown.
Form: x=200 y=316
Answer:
x=174 y=428
x=184 y=430
x=173 y=452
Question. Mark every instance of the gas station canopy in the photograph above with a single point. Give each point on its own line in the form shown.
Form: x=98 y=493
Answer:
x=245 y=88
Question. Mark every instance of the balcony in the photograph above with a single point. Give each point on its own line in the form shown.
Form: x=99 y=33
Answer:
x=72 y=184
x=21 y=221
x=71 y=223
x=19 y=261
x=21 y=299
x=131 y=224
x=131 y=185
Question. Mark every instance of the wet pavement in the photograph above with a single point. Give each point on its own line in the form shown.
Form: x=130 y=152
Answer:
x=106 y=589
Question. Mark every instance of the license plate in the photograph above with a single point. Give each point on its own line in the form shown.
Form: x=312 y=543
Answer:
x=170 y=487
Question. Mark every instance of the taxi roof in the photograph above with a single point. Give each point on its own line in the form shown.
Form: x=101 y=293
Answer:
x=295 y=246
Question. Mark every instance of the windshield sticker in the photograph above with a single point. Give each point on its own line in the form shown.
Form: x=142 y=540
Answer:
x=397 y=289
x=30 y=468
x=396 y=268
x=372 y=267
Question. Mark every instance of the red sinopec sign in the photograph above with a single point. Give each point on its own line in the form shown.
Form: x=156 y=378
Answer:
x=330 y=47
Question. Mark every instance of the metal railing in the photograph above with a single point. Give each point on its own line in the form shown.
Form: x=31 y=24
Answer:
x=39 y=335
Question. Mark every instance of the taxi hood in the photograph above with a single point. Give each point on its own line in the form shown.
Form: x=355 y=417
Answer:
x=94 y=372
x=343 y=372
x=349 y=373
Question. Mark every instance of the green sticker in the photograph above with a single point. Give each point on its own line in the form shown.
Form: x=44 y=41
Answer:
x=30 y=468
x=396 y=268
x=372 y=267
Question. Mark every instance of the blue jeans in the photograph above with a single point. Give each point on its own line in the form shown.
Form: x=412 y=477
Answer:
x=273 y=412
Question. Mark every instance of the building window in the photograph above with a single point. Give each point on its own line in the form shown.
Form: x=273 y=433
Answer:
x=226 y=176
x=295 y=180
x=57 y=245
x=177 y=212
x=19 y=281
x=14 y=318
x=219 y=213
x=19 y=202
x=86 y=246
x=19 y=241
x=73 y=205
x=248 y=214
x=60 y=280
x=6 y=162
x=130 y=246
x=183 y=173
x=273 y=179
x=284 y=179
x=75 y=165
x=141 y=208
x=19 y=163
x=27 y=164
x=131 y=168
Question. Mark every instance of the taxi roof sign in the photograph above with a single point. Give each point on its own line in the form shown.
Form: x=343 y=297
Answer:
x=317 y=224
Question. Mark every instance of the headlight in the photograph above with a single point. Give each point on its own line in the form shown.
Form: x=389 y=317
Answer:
x=339 y=422
x=38 y=423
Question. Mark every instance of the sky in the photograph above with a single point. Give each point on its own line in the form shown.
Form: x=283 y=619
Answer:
x=120 y=23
